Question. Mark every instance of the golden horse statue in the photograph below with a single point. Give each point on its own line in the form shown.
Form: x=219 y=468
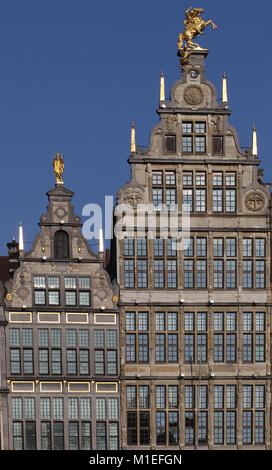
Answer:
x=194 y=26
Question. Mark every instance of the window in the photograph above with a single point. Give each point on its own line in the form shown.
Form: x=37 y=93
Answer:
x=142 y=273
x=101 y=436
x=247 y=274
x=217 y=145
x=218 y=427
x=260 y=274
x=187 y=178
x=260 y=247
x=129 y=273
x=171 y=274
x=188 y=273
x=144 y=428
x=200 y=127
x=61 y=245
x=200 y=143
x=188 y=198
x=247 y=427
x=200 y=179
x=131 y=428
x=217 y=179
x=201 y=274
x=129 y=246
x=170 y=143
x=217 y=200
x=218 y=274
x=158 y=274
x=187 y=144
x=247 y=247
x=157 y=199
x=200 y=200
x=58 y=435
x=187 y=127
x=230 y=200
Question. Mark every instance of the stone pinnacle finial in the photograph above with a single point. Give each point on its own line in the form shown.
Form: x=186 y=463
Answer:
x=254 y=142
x=162 y=88
x=132 y=141
x=224 y=89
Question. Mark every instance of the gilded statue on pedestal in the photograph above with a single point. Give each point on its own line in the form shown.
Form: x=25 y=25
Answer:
x=194 y=26
x=58 y=164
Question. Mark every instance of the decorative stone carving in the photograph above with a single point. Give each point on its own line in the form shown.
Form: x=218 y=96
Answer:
x=60 y=212
x=193 y=95
x=216 y=122
x=133 y=199
x=131 y=194
x=255 y=201
x=23 y=293
x=171 y=123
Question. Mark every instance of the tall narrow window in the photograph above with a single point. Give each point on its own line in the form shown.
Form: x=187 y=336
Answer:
x=61 y=245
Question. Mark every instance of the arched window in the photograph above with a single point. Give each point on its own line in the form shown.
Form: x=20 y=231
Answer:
x=61 y=245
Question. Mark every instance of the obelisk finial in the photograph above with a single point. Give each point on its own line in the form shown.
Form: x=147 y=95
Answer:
x=162 y=88
x=224 y=89
x=254 y=142
x=132 y=140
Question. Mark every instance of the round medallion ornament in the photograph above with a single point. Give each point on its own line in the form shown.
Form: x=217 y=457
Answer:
x=115 y=299
x=193 y=74
x=193 y=95
x=254 y=201
x=9 y=297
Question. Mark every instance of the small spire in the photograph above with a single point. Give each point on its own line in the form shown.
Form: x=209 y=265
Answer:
x=21 y=237
x=224 y=90
x=133 y=141
x=162 y=88
x=254 y=142
x=101 y=242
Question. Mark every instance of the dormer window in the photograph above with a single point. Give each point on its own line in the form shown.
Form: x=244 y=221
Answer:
x=193 y=137
x=61 y=245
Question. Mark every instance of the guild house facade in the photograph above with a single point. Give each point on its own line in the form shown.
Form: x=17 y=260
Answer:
x=61 y=340
x=195 y=323
x=188 y=365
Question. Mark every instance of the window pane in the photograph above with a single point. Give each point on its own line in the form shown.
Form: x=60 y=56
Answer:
x=30 y=412
x=129 y=246
x=130 y=321
x=39 y=281
x=84 y=298
x=187 y=144
x=200 y=143
x=27 y=337
x=100 y=408
x=83 y=338
x=39 y=297
x=187 y=127
x=53 y=297
x=200 y=127
x=156 y=177
x=187 y=178
x=53 y=282
x=84 y=282
x=70 y=282
x=70 y=297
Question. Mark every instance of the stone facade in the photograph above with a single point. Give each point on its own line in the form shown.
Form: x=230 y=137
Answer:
x=61 y=340
x=195 y=324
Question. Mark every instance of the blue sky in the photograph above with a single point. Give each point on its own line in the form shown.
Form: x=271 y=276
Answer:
x=75 y=73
